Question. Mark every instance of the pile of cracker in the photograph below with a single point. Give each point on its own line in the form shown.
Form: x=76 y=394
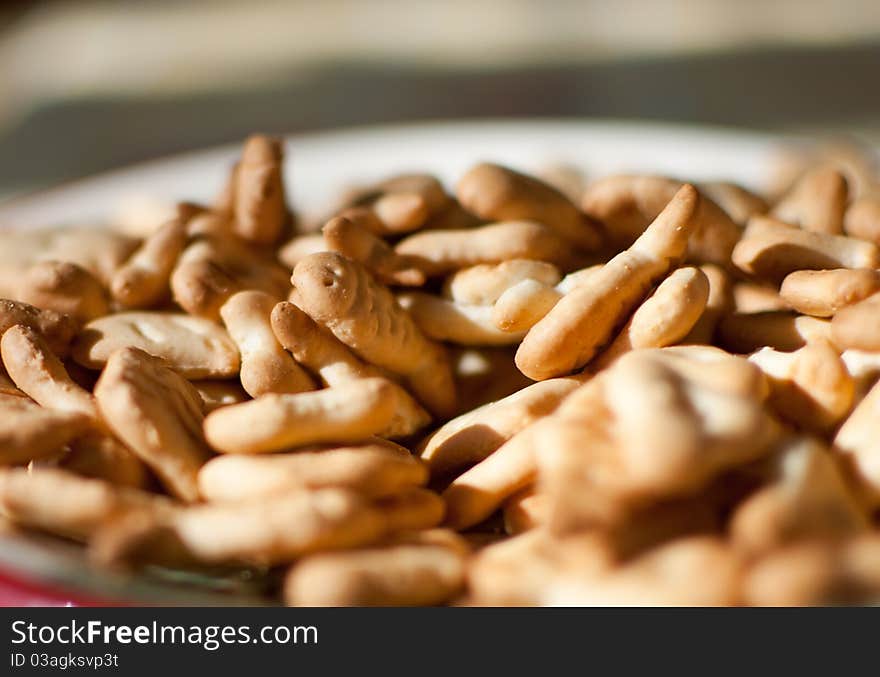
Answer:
x=531 y=390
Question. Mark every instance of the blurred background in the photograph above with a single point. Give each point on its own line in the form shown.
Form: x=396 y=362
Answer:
x=89 y=85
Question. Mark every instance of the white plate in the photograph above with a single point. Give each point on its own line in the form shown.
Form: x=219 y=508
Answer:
x=318 y=167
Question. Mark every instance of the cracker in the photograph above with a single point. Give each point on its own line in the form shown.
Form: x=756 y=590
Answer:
x=372 y=468
x=806 y=498
x=482 y=284
x=770 y=250
x=59 y=502
x=348 y=413
x=571 y=333
x=458 y=323
x=57 y=328
x=192 y=346
x=263 y=532
x=265 y=366
x=627 y=204
x=258 y=202
x=357 y=243
x=858 y=326
x=474 y=435
x=342 y=296
x=817 y=201
x=497 y=193
x=422 y=570
x=437 y=252
x=858 y=443
x=323 y=354
x=65 y=288
x=29 y=432
x=143 y=281
x=822 y=293
x=158 y=415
